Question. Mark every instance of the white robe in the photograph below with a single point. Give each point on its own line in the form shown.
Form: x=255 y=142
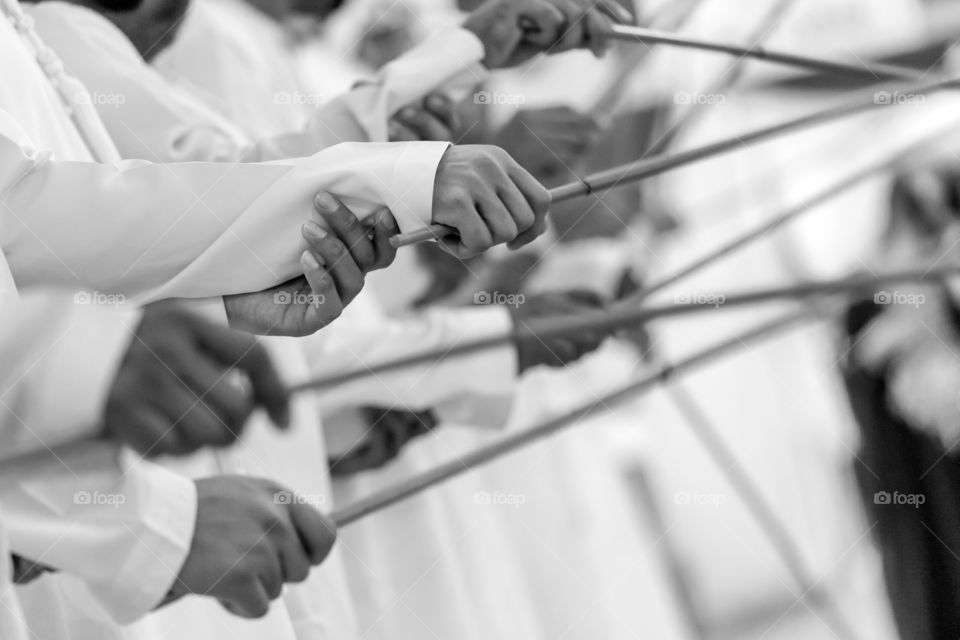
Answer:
x=778 y=405
x=110 y=206
x=471 y=590
x=129 y=553
x=163 y=123
x=182 y=230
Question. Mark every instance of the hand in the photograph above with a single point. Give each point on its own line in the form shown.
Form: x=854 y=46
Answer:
x=334 y=268
x=928 y=200
x=513 y=31
x=390 y=431
x=173 y=393
x=532 y=351
x=435 y=119
x=252 y=536
x=488 y=198
x=548 y=141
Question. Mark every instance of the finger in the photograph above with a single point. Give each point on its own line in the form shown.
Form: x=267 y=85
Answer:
x=443 y=108
x=537 y=197
x=231 y=404
x=347 y=228
x=294 y=561
x=398 y=132
x=538 y=229
x=252 y=602
x=317 y=533
x=499 y=219
x=586 y=297
x=542 y=23
x=271 y=577
x=615 y=11
x=242 y=351
x=596 y=28
x=514 y=201
x=152 y=433
x=330 y=253
x=248 y=607
x=426 y=125
x=384 y=227
x=573 y=34
x=196 y=423
x=325 y=305
x=475 y=236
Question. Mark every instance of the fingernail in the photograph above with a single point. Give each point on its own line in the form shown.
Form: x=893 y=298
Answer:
x=314 y=230
x=437 y=101
x=307 y=260
x=325 y=202
x=408 y=112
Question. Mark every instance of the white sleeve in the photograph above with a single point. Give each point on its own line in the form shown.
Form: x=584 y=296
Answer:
x=339 y=349
x=124 y=526
x=60 y=357
x=192 y=230
x=152 y=118
x=125 y=530
x=448 y=60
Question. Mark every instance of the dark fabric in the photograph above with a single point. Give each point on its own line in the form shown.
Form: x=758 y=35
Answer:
x=920 y=545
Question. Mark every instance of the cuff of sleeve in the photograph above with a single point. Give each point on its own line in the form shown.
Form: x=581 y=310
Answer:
x=85 y=362
x=211 y=309
x=449 y=59
x=410 y=190
x=162 y=541
x=125 y=530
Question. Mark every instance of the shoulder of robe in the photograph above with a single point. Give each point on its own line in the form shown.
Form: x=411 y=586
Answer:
x=72 y=30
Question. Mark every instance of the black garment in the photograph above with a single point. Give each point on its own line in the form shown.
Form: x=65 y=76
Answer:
x=920 y=545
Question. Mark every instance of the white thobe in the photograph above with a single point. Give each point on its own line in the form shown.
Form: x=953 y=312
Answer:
x=257 y=87
x=778 y=405
x=165 y=123
x=473 y=590
x=129 y=553
x=183 y=230
x=46 y=170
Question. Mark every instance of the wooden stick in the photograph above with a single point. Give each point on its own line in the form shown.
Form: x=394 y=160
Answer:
x=423 y=481
x=624 y=316
x=790 y=214
x=650 y=167
x=671 y=17
x=765 y=27
x=74 y=458
x=875 y=71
